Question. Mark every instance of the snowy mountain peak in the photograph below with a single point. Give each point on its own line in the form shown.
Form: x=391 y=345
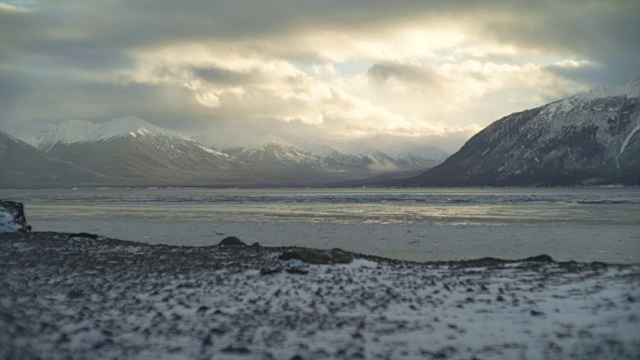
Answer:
x=630 y=89
x=269 y=140
x=67 y=132
x=129 y=125
x=73 y=131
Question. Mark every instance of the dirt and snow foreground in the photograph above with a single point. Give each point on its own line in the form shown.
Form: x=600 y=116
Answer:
x=80 y=297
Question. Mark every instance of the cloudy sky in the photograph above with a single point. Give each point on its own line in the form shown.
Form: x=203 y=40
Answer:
x=433 y=72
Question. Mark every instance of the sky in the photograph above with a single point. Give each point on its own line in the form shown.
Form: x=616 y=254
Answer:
x=403 y=71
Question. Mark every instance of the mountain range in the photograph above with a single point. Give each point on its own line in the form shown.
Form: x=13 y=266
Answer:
x=587 y=139
x=130 y=151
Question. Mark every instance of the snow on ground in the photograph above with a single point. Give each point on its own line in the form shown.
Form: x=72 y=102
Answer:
x=76 y=297
x=7 y=223
x=11 y=217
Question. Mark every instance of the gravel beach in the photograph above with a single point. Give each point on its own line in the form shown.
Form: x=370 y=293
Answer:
x=65 y=296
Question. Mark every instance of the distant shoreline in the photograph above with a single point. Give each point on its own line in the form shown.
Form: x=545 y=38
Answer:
x=52 y=237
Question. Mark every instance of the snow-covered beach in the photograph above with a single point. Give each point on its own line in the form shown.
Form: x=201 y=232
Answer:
x=79 y=297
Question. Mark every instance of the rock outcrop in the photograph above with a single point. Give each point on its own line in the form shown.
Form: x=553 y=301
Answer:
x=231 y=241
x=12 y=217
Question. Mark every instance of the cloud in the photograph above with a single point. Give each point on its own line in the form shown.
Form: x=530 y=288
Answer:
x=347 y=69
x=601 y=32
x=416 y=74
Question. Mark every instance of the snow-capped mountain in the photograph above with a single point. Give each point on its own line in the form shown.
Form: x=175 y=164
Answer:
x=274 y=152
x=69 y=131
x=587 y=139
x=136 y=150
x=72 y=131
x=24 y=166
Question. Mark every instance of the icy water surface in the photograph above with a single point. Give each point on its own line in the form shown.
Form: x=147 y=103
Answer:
x=416 y=224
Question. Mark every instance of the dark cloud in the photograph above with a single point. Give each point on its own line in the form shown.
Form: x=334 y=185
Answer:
x=34 y=97
x=92 y=34
x=416 y=75
x=217 y=75
x=589 y=73
x=603 y=32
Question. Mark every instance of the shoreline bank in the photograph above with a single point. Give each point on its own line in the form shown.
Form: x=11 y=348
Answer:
x=69 y=296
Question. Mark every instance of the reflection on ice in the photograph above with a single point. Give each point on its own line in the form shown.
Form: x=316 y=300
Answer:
x=417 y=224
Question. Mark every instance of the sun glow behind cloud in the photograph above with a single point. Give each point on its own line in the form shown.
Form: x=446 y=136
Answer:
x=439 y=72
x=418 y=82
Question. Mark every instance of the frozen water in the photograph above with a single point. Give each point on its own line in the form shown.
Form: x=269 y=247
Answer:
x=420 y=224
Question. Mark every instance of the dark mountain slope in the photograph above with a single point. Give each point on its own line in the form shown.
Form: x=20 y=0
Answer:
x=23 y=166
x=588 y=139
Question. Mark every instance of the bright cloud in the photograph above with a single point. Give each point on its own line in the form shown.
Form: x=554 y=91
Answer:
x=351 y=69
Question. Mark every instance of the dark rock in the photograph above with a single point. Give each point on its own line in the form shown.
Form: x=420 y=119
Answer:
x=297 y=271
x=311 y=256
x=270 y=271
x=12 y=217
x=536 y=313
x=236 y=350
x=340 y=256
x=231 y=241
x=207 y=341
x=316 y=256
x=84 y=235
x=540 y=258
x=75 y=294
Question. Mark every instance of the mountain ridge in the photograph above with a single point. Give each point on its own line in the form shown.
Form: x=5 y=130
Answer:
x=24 y=166
x=587 y=139
x=142 y=153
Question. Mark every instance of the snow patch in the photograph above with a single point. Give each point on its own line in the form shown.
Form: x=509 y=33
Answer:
x=630 y=89
x=129 y=125
x=268 y=140
x=627 y=139
x=7 y=225
x=74 y=131
x=67 y=132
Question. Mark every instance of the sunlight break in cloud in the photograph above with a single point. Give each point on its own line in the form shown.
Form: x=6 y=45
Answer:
x=348 y=69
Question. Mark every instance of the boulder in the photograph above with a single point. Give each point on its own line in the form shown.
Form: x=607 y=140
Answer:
x=540 y=258
x=12 y=217
x=231 y=241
